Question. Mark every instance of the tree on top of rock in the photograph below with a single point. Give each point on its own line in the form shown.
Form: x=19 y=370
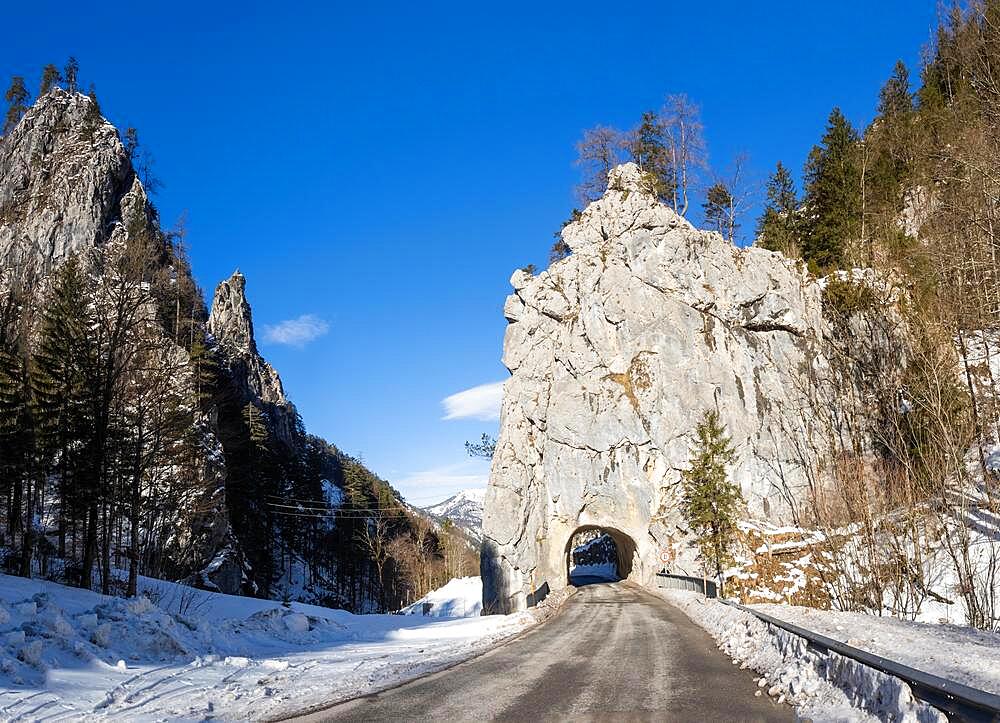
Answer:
x=648 y=145
x=598 y=152
x=17 y=103
x=50 y=76
x=681 y=123
x=833 y=196
x=717 y=203
x=779 y=225
x=728 y=199
x=71 y=74
x=560 y=249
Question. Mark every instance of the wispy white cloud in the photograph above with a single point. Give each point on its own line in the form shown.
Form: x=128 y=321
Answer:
x=438 y=483
x=482 y=403
x=296 y=332
x=453 y=475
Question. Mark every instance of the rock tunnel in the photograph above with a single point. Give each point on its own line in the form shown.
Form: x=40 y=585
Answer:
x=615 y=352
x=598 y=554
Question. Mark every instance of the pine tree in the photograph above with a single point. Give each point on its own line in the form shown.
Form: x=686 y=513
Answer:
x=71 y=73
x=17 y=103
x=890 y=152
x=895 y=98
x=59 y=395
x=95 y=107
x=711 y=502
x=17 y=461
x=485 y=448
x=204 y=369
x=131 y=143
x=50 y=76
x=648 y=146
x=833 y=197
x=718 y=208
x=778 y=227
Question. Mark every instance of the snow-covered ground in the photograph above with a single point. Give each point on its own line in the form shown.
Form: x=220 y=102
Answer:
x=69 y=654
x=461 y=597
x=964 y=655
x=820 y=689
x=603 y=570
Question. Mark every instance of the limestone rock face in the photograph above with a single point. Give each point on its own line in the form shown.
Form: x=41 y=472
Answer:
x=231 y=325
x=68 y=188
x=615 y=353
x=63 y=175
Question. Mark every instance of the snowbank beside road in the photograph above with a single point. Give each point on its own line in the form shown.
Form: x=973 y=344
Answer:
x=73 y=654
x=821 y=687
x=963 y=655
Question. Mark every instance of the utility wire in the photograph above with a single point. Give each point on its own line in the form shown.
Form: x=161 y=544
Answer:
x=329 y=516
x=339 y=510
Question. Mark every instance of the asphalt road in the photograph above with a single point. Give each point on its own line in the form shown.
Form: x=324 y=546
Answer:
x=613 y=653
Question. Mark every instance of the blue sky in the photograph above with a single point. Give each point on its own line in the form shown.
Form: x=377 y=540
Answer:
x=378 y=172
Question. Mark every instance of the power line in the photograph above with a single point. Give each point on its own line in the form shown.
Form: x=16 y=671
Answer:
x=332 y=516
x=341 y=510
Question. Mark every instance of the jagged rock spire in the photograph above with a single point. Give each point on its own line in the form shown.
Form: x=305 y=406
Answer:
x=231 y=320
x=231 y=326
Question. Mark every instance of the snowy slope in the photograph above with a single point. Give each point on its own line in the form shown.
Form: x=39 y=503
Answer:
x=459 y=598
x=464 y=509
x=72 y=654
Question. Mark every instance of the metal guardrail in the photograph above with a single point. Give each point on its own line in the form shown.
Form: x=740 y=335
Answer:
x=686 y=582
x=959 y=702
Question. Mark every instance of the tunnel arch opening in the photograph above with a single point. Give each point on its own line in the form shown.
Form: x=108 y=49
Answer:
x=596 y=553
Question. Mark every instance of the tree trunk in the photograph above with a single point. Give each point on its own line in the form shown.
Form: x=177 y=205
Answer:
x=106 y=551
x=133 y=557
x=28 y=537
x=89 y=548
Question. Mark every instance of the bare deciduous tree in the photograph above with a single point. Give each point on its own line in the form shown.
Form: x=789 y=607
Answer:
x=598 y=152
x=681 y=119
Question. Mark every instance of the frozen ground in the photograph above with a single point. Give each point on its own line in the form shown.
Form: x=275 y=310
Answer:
x=821 y=687
x=68 y=654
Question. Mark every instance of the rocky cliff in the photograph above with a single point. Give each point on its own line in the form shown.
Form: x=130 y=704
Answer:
x=221 y=480
x=615 y=352
x=230 y=324
x=64 y=174
x=68 y=190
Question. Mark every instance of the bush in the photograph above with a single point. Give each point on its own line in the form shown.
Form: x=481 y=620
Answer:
x=843 y=298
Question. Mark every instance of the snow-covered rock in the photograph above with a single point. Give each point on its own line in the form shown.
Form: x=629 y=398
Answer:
x=615 y=353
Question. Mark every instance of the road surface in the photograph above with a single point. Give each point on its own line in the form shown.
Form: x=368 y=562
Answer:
x=614 y=652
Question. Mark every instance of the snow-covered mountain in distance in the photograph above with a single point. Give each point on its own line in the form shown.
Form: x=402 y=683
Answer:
x=465 y=509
